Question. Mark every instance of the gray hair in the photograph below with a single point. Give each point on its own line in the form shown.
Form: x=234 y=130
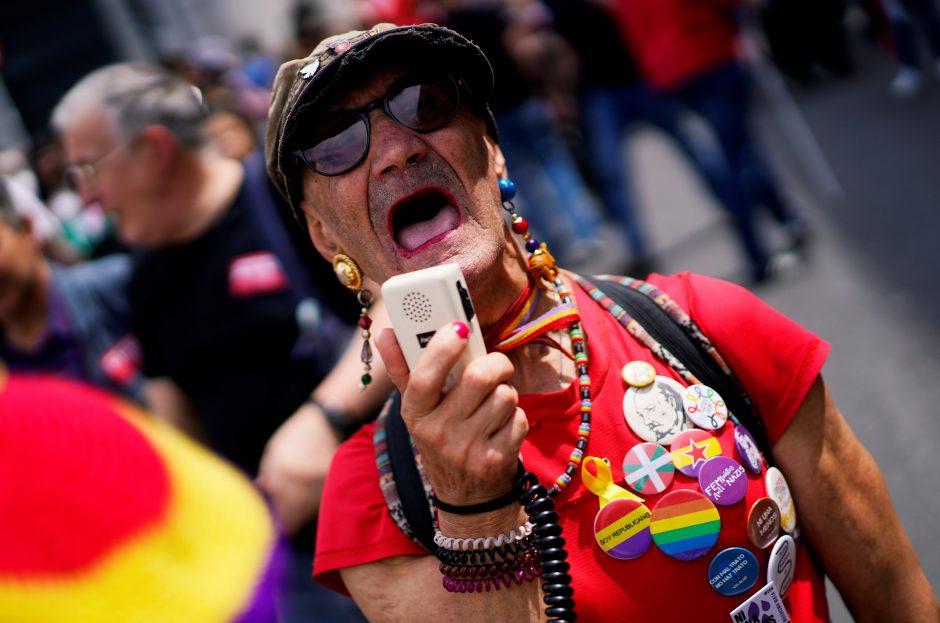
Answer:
x=136 y=96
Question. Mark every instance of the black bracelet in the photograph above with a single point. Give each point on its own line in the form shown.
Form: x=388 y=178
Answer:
x=338 y=420
x=484 y=507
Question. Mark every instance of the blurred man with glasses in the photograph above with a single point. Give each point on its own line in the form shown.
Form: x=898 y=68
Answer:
x=237 y=322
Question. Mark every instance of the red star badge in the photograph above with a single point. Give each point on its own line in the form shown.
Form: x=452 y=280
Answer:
x=697 y=452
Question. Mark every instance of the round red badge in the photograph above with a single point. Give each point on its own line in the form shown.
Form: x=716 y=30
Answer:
x=622 y=529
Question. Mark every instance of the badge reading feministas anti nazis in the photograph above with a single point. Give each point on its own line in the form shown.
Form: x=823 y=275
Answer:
x=763 y=607
x=648 y=468
x=655 y=412
x=704 y=407
x=733 y=571
x=723 y=480
x=685 y=524
x=691 y=448
x=622 y=526
x=779 y=492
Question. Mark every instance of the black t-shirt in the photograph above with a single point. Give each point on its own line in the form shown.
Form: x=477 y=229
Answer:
x=218 y=316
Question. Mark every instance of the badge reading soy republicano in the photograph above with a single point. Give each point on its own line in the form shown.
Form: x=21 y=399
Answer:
x=655 y=412
x=638 y=373
x=622 y=529
x=704 y=406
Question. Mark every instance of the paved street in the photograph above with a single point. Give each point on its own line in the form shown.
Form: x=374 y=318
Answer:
x=870 y=286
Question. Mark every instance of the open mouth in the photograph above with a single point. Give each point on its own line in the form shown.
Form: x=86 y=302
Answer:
x=422 y=218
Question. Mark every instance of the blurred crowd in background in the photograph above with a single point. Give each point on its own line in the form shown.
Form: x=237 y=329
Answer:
x=574 y=78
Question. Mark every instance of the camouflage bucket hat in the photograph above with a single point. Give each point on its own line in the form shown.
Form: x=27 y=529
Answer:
x=302 y=84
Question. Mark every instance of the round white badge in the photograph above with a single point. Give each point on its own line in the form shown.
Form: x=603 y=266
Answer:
x=782 y=564
x=779 y=492
x=704 y=407
x=655 y=412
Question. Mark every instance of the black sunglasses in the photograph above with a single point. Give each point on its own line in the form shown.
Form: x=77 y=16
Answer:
x=423 y=103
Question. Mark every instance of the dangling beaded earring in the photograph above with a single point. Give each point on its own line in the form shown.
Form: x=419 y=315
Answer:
x=542 y=265
x=349 y=274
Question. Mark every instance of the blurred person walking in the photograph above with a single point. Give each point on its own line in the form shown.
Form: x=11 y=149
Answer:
x=65 y=320
x=906 y=17
x=237 y=324
x=688 y=51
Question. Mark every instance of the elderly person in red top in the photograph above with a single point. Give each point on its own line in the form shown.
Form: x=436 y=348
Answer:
x=385 y=146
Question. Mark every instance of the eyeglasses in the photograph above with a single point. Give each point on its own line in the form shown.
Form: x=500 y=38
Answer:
x=79 y=174
x=423 y=103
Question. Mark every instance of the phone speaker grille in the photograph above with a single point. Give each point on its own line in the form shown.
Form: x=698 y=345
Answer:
x=417 y=307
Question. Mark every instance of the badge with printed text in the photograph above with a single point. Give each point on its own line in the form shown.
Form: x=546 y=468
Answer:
x=733 y=571
x=779 y=492
x=691 y=448
x=782 y=564
x=638 y=373
x=622 y=529
x=648 y=468
x=763 y=522
x=685 y=524
x=723 y=480
x=654 y=413
x=622 y=526
x=747 y=449
x=765 y=606
x=704 y=407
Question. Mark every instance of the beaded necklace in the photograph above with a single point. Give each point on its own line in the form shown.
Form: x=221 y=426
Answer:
x=541 y=266
x=566 y=314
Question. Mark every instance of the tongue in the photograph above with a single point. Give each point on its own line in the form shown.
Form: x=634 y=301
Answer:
x=410 y=237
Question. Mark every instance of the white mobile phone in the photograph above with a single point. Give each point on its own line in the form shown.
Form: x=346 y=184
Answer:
x=421 y=302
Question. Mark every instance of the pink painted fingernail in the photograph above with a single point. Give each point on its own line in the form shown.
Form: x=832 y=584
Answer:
x=461 y=329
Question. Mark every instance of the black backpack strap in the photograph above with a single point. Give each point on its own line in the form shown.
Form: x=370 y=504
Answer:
x=411 y=495
x=689 y=351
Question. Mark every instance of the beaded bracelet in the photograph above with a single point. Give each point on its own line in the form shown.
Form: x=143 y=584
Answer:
x=488 y=542
x=483 y=577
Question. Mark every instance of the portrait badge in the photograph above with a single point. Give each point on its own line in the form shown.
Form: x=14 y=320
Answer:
x=655 y=413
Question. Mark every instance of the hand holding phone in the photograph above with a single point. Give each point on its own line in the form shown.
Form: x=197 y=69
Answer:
x=421 y=302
